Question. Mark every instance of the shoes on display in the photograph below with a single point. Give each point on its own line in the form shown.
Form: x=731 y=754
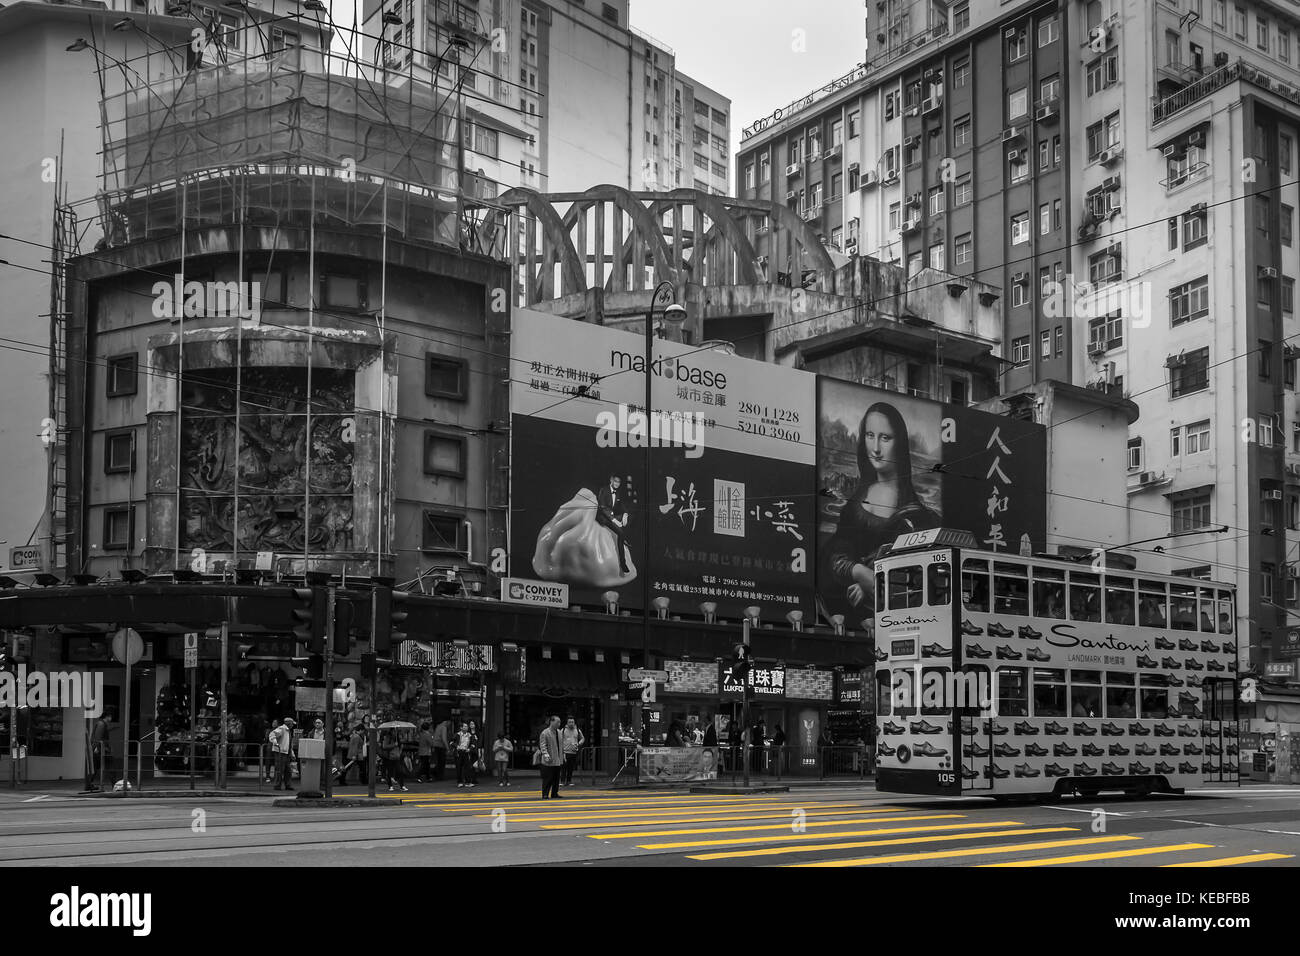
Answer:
x=1025 y=729
x=1008 y=653
x=926 y=749
x=1109 y=729
x=1112 y=770
x=1138 y=769
x=1024 y=770
x=997 y=630
x=925 y=727
x=1085 y=730
x=1034 y=750
x=1034 y=654
x=1186 y=645
x=1164 y=644
x=1144 y=661
x=978 y=653
x=1139 y=730
x=935 y=650
x=968 y=628
x=1169 y=664
x=1194 y=665
x=1064 y=750
x=1056 y=770
x=1029 y=633
x=1054 y=728
x=1083 y=770
x=1005 y=750
x=1144 y=750
x=975 y=750
x=1092 y=750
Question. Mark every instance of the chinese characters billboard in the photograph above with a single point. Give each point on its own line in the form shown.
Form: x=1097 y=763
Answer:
x=893 y=464
x=730 y=504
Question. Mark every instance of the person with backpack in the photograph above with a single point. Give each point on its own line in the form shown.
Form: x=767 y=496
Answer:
x=356 y=754
x=572 y=740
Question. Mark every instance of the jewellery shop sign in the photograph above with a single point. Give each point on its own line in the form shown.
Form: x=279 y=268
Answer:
x=447 y=656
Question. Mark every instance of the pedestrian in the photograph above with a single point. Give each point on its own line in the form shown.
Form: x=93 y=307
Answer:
x=464 y=742
x=475 y=754
x=318 y=730
x=101 y=751
x=778 y=751
x=355 y=756
x=572 y=740
x=550 y=749
x=502 y=751
x=424 y=750
x=711 y=735
x=281 y=739
x=393 y=752
x=441 y=741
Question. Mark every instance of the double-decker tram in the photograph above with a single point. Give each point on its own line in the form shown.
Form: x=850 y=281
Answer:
x=999 y=674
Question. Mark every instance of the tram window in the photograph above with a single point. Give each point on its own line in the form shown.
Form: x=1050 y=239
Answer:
x=906 y=587
x=971 y=689
x=1152 y=602
x=1085 y=597
x=939 y=577
x=1049 y=593
x=1225 y=612
x=1153 y=697
x=903 y=690
x=1219 y=698
x=1121 y=695
x=1182 y=605
x=975 y=585
x=1049 y=693
x=934 y=693
x=1119 y=600
x=882 y=693
x=880 y=590
x=1010 y=589
x=1085 y=693
x=1013 y=692
x=1208 y=611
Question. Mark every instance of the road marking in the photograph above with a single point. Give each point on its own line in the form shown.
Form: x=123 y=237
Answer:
x=1234 y=860
x=1109 y=813
x=817 y=836
x=1229 y=826
x=1112 y=855
x=777 y=850
x=43 y=796
x=777 y=826
x=578 y=811
x=973 y=851
x=842 y=814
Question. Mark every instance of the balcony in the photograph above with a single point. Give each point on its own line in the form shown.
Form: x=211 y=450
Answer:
x=809 y=213
x=1163 y=108
x=1192 y=173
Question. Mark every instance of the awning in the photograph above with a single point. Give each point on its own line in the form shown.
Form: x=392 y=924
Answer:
x=581 y=676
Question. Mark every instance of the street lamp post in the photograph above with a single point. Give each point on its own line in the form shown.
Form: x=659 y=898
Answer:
x=677 y=311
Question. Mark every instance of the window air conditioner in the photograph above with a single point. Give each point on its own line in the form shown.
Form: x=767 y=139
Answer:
x=1267 y=272
x=1273 y=494
x=1010 y=133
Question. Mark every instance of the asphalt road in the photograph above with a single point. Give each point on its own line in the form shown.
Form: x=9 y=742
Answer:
x=1257 y=825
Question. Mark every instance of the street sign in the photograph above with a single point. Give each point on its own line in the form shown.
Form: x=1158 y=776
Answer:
x=128 y=647
x=26 y=558
x=1280 y=669
x=538 y=593
x=637 y=674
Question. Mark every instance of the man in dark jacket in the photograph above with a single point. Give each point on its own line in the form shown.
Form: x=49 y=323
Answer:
x=551 y=749
x=441 y=743
x=612 y=514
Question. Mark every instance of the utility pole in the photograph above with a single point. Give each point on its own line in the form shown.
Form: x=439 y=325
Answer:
x=331 y=624
x=221 y=746
x=746 y=731
x=371 y=678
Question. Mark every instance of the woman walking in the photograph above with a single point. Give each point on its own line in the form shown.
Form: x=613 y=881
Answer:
x=476 y=746
x=393 y=754
x=424 y=752
x=464 y=742
x=572 y=740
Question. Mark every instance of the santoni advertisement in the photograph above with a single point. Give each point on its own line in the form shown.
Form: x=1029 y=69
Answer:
x=729 y=506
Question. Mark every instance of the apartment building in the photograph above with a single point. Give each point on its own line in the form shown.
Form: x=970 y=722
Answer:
x=574 y=95
x=1126 y=175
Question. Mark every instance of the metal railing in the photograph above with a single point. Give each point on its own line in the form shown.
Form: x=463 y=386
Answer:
x=619 y=766
x=170 y=760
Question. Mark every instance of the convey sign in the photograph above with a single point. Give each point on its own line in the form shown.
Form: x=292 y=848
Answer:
x=544 y=593
x=637 y=674
x=26 y=558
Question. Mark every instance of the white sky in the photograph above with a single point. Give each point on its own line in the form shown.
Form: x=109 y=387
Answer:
x=744 y=49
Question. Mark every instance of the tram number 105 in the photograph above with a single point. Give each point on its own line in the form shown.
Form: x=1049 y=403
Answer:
x=947 y=778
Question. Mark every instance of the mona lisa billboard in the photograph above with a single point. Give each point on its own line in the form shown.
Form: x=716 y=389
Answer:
x=893 y=463
x=732 y=447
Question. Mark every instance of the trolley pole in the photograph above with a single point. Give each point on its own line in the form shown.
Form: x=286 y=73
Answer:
x=328 y=764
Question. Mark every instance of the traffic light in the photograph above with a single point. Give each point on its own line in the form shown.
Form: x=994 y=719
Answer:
x=311 y=618
x=389 y=614
x=313 y=667
x=343 y=615
x=740 y=666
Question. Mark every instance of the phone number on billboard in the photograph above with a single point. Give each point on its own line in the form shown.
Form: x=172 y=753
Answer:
x=765 y=430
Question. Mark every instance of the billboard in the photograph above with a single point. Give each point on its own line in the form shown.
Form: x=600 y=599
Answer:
x=889 y=463
x=730 y=502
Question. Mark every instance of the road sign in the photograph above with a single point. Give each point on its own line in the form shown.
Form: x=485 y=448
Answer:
x=191 y=657
x=637 y=674
x=26 y=558
x=128 y=647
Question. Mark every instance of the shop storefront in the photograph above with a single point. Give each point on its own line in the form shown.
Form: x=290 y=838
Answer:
x=565 y=687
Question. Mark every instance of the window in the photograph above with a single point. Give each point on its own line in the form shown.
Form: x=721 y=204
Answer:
x=1195 y=228
x=1105 y=266
x=1239 y=22
x=121 y=376
x=1263 y=211
x=891 y=104
x=1018 y=161
x=936 y=200
x=445 y=377
x=1173 y=52
x=1013 y=692
x=937 y=257
x=853 y=125
x=609 y=12
x=962 y=190
x=906 y=587
x=1261 y=33
x=1220 y=13
x=1049 y=593
x=961 y=16
x=895 y=212
x=1020 y=294
x=1017 y=104
x=1191 y=374
x=1196 y=438
x=1285 y=215
x=1135 y=456
x=1267 y=572
x=118 y=528
x=1085 y=693
x=119 y=452
x=1044 y=219
x=749 y=176
x=1045 y=344
x=962 y=248
x=1283 y=45
x=1049 y=692
x=1085 y=596
x=1044 y=154
x=1010 y=588
x=837 y=186
x=855 y=179
x=1044 y=282
x=343 y=291
x=1017 y=44
x=1103 y=135
x=1121 y=694
x=1264 y=292
x=764 y=168
x=443 y=532
x=975 y=584
x=1189 y=301
x=1049 y=30
x=719 y=117
x=1050 y=88
x=1020 y=350
x=960 y=73
x=837 y=237
x=1106 y=332
x=837 y=133
x=1019 y=228
x=1102 y=72
x=1288 y=295
x=1284 y=152
x=444 y=455
x=961 y=131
